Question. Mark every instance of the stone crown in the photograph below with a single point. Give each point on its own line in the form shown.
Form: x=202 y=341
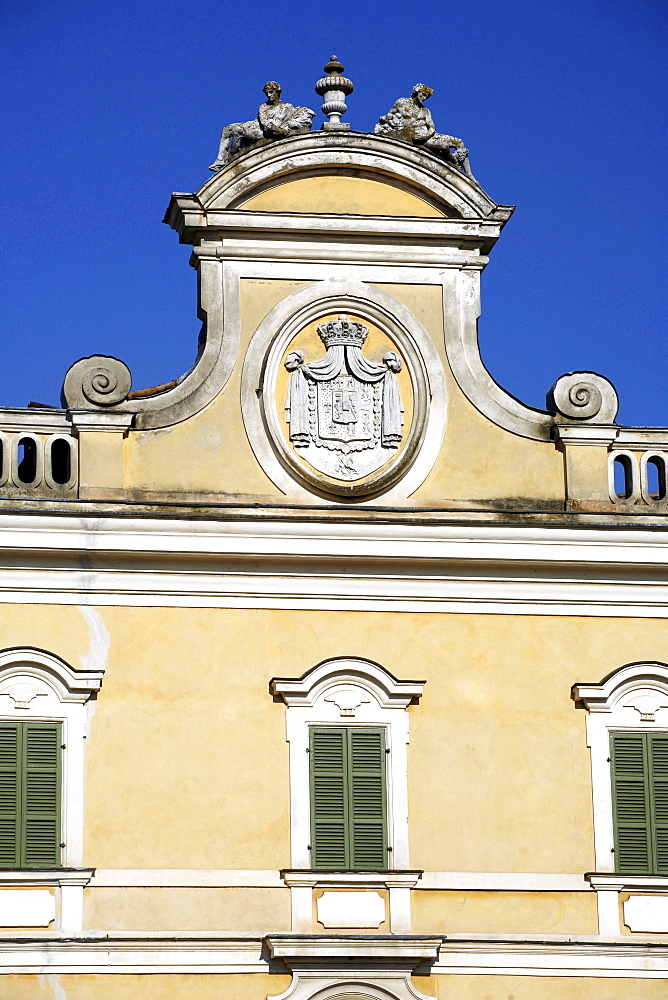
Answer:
x=342 y=331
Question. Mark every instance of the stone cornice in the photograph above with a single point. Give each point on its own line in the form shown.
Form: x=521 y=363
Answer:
x=321 y=152
x=600 y=435
x=355 y=537
x=409 y=949
x=25 y=877
x=476 y=954
x=71 y=684
x=101 y=420
x=625 y=883
x=323 y=564
x=190 y=220
x=301 y=692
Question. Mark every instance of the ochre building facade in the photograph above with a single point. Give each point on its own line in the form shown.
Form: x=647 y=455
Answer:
x=331 y=670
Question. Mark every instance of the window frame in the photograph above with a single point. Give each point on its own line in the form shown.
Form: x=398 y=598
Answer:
x=348 y=692
x=349 y=818
x=22 y=771
x=634 y=699
x=650 y=824
x=37 y=686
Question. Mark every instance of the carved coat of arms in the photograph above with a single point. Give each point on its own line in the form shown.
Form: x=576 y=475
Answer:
x=344 y=411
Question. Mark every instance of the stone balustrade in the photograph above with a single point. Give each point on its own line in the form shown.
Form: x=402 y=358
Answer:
x=38 y=459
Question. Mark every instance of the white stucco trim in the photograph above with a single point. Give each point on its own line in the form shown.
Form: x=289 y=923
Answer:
x=633 y=698
x=632 y=464
x=68 y=896
x=380 y=701
x=608 y=888
x=648 y=456
x=71 y=443
x=502 y=882
x=321 y=153
x=630 y=883
x=555 y=956
x=39 y=460
x=461 y=311
x=610 y=706
x=464 y=954
x=221 y=269
x=345 y=294
x=446 y=568
x=234 y=229
x=329 y=967
x=274 y=879
x=36 y=686
x=224 y=264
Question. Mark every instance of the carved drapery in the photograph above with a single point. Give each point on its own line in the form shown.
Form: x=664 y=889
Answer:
x=341 y=359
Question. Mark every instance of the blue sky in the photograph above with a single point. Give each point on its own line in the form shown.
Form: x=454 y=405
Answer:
x=109 y=107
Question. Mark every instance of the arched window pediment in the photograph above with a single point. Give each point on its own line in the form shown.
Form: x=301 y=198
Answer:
x=26 y=673
x=341 y=681
x=640 y=687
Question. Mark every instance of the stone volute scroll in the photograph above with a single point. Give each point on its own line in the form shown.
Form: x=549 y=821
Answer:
x=410 y=121
x=583 y=396
x=275 y=120
x=96 y=381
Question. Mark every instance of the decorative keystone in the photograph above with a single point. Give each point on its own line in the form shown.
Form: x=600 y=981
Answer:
x=348 y=700
x=23 y=693
x=334 y=88
x=646 y=705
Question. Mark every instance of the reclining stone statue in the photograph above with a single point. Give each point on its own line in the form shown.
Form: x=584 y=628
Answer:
x=275 y=119
x=409 y=120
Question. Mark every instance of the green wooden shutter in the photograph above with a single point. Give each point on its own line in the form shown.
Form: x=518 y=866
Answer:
x=41 y=795
x=658 y=760
x=640 y=802
x=366 y=775
x=348 y=798
x=630 y=802
x=10 y=802
x=30 y=778
x=329 y=798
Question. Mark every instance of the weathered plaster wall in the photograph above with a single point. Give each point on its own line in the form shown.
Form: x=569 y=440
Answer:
x=51 y=986
x=210 y=453
x=478 y=459
x=187 y=763
x=184 y=718
x=187 y=986
x=542 y=987
x=341 y=196
x=503 y=912
x=186 y=693
x=131 y=908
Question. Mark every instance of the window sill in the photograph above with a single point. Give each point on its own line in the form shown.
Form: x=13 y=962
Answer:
x=310 y=878
x=45 y=876
x=35 y=898
x=620 y=882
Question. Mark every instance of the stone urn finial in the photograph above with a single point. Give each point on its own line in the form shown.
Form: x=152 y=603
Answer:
x=334 y=88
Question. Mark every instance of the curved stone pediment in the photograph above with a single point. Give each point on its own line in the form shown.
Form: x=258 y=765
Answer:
x=331 y=227
x=405 y=168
